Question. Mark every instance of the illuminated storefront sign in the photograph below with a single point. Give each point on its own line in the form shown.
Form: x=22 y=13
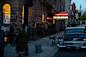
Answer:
x=23 y=15
x=61 y=15
x=6 y=13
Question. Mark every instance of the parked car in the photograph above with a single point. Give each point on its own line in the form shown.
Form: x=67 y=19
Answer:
x=73 y=37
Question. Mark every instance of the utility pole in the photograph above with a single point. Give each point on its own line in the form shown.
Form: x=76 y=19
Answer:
x=79 y=14
x=25 y=13
x=80 y=8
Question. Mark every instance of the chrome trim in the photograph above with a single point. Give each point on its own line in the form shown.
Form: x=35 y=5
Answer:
x=74 y=41
x=60 y=45
x=83 y=46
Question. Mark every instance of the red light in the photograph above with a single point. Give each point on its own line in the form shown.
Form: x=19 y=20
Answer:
x=62 y=14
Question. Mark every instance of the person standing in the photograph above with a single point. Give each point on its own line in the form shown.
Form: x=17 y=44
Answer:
x=11 y=34
x=21 y=42
x=1 y=43
x=29 y=31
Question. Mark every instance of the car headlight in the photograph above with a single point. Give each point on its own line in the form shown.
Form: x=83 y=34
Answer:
x=84 y=39
x=60 y=39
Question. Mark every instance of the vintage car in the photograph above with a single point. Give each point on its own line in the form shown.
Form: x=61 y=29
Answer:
x=73 y=37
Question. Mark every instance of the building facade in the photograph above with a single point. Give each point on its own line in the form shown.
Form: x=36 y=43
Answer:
x=68 y=9
x=11 y=13
x=37 y=14
x=62 y=6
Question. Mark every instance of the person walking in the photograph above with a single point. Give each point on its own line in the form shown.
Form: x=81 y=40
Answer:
x=21 y=43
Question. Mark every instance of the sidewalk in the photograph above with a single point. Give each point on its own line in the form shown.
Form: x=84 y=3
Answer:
x=47 y=49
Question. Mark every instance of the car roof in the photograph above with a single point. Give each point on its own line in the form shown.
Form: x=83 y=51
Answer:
x=76 y=27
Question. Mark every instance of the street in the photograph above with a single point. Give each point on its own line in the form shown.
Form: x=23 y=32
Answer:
x=70 y=53
x=73 y=52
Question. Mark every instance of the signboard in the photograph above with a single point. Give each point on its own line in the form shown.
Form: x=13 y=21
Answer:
x=61 y=16
x=6 y=20
x=6 y=13
x=7 y=9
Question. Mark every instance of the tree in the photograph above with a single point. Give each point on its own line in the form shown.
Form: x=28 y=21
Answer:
x=83 y=17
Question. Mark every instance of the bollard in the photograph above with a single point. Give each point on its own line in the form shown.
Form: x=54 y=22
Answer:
x=38 y=48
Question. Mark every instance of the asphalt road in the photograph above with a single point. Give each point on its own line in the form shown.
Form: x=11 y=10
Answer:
x=71 y=53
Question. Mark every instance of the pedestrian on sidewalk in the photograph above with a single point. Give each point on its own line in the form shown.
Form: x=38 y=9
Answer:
x=21 y=43
x=29 y=31
x=11 y=34
x=1 y=43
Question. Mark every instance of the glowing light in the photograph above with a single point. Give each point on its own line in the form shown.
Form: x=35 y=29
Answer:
x=43 y=19
x=62 y=14
x=23 y=11
x=23 y=15
x=7 y=9
x=49 y=18
x=66 y=14
x=60 y=17
x=6 y=39
x=6 y=13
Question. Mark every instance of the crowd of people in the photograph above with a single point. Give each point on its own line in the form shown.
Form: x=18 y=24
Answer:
x=40 y=30
x=26 y=33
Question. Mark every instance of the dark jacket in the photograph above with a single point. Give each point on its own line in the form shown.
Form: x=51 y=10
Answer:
x=21 y=41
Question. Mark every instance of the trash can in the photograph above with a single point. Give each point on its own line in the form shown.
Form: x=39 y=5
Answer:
x=1 y=43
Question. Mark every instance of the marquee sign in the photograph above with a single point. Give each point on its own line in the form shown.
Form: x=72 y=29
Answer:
x=61 y=15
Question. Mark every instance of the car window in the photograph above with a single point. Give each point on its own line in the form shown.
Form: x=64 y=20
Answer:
x=75 y=33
